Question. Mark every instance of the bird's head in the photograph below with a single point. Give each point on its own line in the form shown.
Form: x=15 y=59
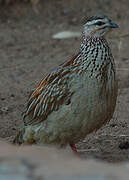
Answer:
x=98 y=26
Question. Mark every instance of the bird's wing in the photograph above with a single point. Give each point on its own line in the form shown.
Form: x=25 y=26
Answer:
x=50 y=94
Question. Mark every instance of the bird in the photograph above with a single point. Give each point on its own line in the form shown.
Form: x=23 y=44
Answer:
x=78 y=97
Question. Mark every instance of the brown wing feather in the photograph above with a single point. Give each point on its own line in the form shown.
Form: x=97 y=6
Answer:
x=50 y=93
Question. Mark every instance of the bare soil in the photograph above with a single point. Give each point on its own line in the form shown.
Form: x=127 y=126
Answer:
x=28 y=53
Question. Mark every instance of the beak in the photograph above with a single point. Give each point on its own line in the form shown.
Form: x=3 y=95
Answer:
x=113 y=25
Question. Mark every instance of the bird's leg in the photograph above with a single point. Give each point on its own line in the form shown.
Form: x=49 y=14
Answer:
x=73 y=147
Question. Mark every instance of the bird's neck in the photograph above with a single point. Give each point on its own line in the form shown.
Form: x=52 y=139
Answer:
x=93 y=40
x=90 y=44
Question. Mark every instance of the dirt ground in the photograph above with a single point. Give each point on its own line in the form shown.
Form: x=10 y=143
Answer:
x=28 y=53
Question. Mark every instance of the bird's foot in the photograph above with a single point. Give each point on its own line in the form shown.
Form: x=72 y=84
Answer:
x=73 y=147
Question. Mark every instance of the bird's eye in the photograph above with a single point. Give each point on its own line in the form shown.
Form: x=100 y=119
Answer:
x=99 y=23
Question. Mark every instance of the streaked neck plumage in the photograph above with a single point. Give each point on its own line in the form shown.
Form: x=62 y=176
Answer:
x=92 y=46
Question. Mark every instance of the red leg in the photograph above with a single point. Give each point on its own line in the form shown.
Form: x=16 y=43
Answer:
x=73 y=147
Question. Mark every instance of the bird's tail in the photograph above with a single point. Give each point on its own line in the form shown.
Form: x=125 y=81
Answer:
x=25 y=136
x=19 y=137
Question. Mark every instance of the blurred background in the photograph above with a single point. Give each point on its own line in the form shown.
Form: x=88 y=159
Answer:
x=30 y=47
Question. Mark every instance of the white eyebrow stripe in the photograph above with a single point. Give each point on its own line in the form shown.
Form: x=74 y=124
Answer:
x=93 y=21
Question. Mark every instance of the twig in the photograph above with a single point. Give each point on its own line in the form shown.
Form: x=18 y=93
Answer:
x=87 y=150
x=122 y=69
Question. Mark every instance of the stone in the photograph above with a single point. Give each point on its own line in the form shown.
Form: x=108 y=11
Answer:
x=48 y=163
